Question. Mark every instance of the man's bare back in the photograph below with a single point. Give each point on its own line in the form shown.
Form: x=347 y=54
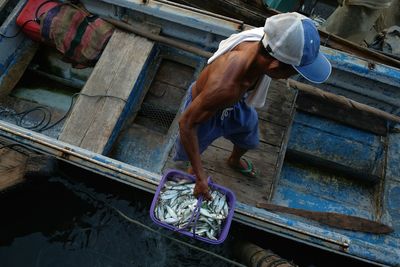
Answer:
x=233 y=71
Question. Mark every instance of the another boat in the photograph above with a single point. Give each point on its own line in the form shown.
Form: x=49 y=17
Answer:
x=254 y=12
x=316 y=153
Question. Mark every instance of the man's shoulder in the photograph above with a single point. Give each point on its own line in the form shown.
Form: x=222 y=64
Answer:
x=239 y=55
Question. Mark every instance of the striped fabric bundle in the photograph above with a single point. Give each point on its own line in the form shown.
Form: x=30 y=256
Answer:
x=78 y=35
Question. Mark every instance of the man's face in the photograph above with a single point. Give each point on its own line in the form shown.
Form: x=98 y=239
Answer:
x=281 y=71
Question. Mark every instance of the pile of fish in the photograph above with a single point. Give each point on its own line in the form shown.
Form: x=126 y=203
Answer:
x=176 y=204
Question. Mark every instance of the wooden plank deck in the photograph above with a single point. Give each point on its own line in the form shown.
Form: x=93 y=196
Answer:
x=15 y=72
x=275 y=119
x=93 y=119
x=12 y=167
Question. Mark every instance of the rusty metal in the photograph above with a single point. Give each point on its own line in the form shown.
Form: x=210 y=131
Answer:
x=333 y=219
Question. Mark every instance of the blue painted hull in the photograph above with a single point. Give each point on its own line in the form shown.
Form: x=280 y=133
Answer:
x=300 y=185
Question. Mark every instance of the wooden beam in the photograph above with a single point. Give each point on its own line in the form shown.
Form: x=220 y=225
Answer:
x=342 y=101
x=155 y=37
x=2 y=4
x=15 y=72
x=93 y=120
x=356 y=118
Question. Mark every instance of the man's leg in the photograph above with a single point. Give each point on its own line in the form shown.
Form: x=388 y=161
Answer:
x=237 y=153
x=241 y=128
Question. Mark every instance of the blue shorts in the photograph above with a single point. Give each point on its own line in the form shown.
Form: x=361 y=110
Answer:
x=239 y=124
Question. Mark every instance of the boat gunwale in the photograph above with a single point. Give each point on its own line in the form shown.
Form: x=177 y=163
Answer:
x=148 y=180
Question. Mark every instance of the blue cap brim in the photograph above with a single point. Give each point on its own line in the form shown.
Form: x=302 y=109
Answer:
x=316 y=72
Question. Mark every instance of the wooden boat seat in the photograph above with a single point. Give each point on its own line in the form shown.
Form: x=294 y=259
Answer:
x=95 y=121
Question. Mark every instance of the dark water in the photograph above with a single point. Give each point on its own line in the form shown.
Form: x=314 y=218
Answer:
x=65 y=222
x=71 y=220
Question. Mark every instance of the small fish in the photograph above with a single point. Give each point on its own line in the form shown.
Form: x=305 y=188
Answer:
x=225 y=209
x=171 y=212
x=177 y=204
x=171 y=220
x=170 y=195
x=220 y=205
x=210 y=235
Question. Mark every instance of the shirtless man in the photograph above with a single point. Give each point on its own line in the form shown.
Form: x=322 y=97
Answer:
x=288 y=44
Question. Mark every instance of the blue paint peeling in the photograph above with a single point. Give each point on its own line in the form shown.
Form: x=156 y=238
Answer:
x=101 y=159
x=299 y=186
x=358 y=66
x=334 y=127
x=337 y=146
x=394 y=201
x=306 y=187
x=330 y=187
x=132 y=101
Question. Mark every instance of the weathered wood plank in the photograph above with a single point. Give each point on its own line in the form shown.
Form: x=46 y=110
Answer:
x=344 y=150
x=245 y=191
x=270 y=133
x=12 y=168
x=15 y=72
x=92 y=120
x=279 y=104
x=264 y=151
x=215 y=156
x=175 y=74
x=2 y=4
x=283 y=147
x=277 y=92
x=170 y=95
x=353 y=117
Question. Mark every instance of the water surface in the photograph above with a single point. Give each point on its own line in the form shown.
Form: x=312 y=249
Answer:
x=73 y=219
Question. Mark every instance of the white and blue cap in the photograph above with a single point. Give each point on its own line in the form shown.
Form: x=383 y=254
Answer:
x=293 y=39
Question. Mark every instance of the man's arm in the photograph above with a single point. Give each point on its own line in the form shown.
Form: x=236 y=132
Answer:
x=204 y=106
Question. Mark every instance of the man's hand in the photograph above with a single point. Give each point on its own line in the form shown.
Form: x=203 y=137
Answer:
x=201 y=189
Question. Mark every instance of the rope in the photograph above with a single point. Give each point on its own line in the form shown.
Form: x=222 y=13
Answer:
x=126 y=217
x=72 y=104
x=20 y=29
x=46 y=114
x=174 y=239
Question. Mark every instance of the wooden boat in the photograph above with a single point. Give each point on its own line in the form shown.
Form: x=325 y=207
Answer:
x=254 y=12
x=316 y=153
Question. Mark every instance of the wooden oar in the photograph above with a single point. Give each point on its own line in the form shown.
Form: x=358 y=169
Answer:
x=333 y=219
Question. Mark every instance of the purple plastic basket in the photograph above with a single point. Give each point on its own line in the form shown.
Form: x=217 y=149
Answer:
x=230 y=197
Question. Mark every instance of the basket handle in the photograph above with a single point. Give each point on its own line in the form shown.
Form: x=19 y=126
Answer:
x=193 y=217
x=197 y=209
x=196 y=212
